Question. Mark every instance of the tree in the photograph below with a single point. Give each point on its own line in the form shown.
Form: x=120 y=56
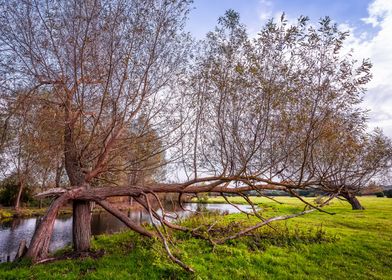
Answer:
x=244 y=115
x=104 y=63
x=16 y=158
x=10 y=190
x=32 y=144
x=283 y=108
x=354 y=163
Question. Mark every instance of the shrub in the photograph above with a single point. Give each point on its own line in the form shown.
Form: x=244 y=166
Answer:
x=388 y=193
x=202 y=197
x=380 y=194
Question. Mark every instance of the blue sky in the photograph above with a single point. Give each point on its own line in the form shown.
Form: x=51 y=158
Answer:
x=370 y=22
x=254 y=12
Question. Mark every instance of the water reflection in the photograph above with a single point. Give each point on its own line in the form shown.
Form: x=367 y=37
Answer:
x=13 y=232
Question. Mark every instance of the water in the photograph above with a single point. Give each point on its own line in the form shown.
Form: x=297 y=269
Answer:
x=102 y=222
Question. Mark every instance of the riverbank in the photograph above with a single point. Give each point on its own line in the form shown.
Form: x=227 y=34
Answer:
x=8 y=213
x=347 y=245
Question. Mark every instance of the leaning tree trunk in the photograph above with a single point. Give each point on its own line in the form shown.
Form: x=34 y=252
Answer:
x=353 y=200
x=39 y=245
x=19 y=196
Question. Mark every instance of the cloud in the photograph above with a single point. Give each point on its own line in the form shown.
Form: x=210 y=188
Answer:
x=265 y=10
x=378 y=48
x=378 y=11
x=375 y=43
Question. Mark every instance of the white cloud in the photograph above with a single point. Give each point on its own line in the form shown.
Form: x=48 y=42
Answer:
x=265 y=10
x=378 y=10
x=379 y=49
x=376 y=45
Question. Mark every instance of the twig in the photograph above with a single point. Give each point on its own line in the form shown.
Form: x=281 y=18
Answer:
x=164 y=241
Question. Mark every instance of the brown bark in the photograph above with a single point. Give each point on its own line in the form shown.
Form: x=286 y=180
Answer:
x=39 y=245
x=353 y=200
x=134 y=191
x=122 y=217
x=59 y=171
x=81 y=223
x=19 y=196
x=22 y=249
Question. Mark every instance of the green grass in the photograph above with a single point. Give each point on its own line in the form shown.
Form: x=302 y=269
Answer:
x=7 y=213
x=347 y=245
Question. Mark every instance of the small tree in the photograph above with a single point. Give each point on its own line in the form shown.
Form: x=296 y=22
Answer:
x=10 y=192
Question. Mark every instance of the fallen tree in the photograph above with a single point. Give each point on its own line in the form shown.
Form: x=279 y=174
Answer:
x=39 y=245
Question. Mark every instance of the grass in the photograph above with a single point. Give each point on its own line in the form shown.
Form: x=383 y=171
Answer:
x=347 y=245
x=7 y=213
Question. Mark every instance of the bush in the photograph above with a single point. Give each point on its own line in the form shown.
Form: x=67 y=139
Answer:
x=380 y=194
x=388 y=193
x=202 y=197
x=307 y=193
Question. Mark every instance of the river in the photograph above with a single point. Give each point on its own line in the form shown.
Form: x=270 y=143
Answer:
x=13 y=232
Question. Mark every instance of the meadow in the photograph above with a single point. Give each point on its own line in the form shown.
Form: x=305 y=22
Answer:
x=347 y=245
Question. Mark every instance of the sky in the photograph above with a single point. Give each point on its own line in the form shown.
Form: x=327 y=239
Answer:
x=369 y=22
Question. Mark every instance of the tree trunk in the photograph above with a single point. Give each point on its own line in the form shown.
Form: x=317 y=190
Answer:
x=17 y=202
x=39 y=245
x=59 y=171
x=22 y=249
x=353 y=200
x=81 y=225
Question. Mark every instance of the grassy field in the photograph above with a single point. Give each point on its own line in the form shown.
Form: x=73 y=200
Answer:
x=347 y=245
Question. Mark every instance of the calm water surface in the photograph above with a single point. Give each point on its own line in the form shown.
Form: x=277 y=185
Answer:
x=102 y=222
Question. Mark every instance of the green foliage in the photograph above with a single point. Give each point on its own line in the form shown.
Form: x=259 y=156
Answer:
x=202 y=197
x=9 y=188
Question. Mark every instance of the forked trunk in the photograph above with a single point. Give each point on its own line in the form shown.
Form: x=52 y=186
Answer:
x=39 y=245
